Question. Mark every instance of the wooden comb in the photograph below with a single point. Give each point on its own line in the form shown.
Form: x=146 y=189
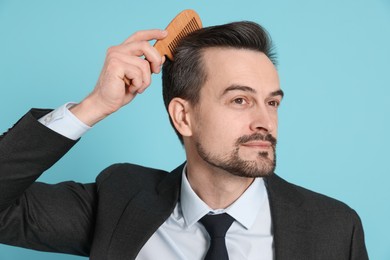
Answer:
x=183 y=24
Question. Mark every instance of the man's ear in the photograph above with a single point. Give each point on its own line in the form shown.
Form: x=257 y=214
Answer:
x=179 y=110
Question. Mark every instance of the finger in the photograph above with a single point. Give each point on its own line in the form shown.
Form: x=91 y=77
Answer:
x=146 y=73
x=134 y=79
x=141 y=66
x=157 y=66
x=146 y=76
x=142 y=48
x=116 y=60
x=138 y=72
x=147 y=35
x=154 y=58
x=133 y=75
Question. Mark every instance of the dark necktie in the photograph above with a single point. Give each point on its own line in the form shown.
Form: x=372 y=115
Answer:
x=216 y=226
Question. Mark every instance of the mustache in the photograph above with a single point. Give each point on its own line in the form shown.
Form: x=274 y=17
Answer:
x=257 y=137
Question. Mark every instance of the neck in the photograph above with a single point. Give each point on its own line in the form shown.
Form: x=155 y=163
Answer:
x=216 y=187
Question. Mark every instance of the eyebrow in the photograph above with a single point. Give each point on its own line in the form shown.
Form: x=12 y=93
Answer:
x=238 y=87
x=278 y=92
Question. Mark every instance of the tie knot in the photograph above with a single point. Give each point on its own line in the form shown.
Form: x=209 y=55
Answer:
x=217 y=225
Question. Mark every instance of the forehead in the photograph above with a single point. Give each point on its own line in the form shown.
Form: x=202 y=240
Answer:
x=228 y=66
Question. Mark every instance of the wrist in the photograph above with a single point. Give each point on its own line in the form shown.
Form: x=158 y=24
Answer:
x=88 y=111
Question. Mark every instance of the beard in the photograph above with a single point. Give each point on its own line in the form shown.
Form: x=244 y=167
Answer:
x=232 y=163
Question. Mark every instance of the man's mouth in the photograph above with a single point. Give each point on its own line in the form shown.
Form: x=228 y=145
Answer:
x=257 y=140
x=258 y=144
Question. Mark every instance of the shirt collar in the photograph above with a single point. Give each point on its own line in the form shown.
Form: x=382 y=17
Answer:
x=193 y=207
x=244 y=210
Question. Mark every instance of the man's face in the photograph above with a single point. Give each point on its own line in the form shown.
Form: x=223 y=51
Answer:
x=235 y=121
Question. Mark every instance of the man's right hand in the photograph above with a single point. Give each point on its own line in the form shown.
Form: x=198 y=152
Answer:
x=133 y=61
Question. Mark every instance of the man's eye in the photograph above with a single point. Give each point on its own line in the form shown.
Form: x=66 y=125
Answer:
x=273 y=103
x=240 y=101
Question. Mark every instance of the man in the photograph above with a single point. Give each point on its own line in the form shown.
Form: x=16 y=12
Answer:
x=222 y=93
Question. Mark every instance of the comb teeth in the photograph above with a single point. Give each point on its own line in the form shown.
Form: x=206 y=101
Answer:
x=183 y=24
x=189 y=28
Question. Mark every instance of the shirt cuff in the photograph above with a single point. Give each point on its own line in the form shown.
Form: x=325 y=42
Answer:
x=62 y=121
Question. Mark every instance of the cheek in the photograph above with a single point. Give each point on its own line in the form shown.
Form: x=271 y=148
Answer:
x=221 y=132
x=217 y=127
x=212 y=129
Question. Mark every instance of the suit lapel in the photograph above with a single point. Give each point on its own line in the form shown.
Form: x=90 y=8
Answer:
x=143 y=215
x=289 y=219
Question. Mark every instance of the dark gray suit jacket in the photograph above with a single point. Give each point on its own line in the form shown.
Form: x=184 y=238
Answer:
x=115 y=216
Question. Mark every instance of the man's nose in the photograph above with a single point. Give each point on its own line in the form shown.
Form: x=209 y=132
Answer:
x=262 y=120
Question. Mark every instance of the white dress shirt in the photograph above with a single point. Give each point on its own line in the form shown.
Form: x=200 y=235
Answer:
x=181 y=236
x=64 y=122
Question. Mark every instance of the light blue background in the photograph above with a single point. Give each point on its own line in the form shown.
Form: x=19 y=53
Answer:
x=334 y=61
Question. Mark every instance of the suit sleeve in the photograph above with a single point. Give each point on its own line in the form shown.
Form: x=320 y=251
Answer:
x=358 y=247
x=56 y=218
